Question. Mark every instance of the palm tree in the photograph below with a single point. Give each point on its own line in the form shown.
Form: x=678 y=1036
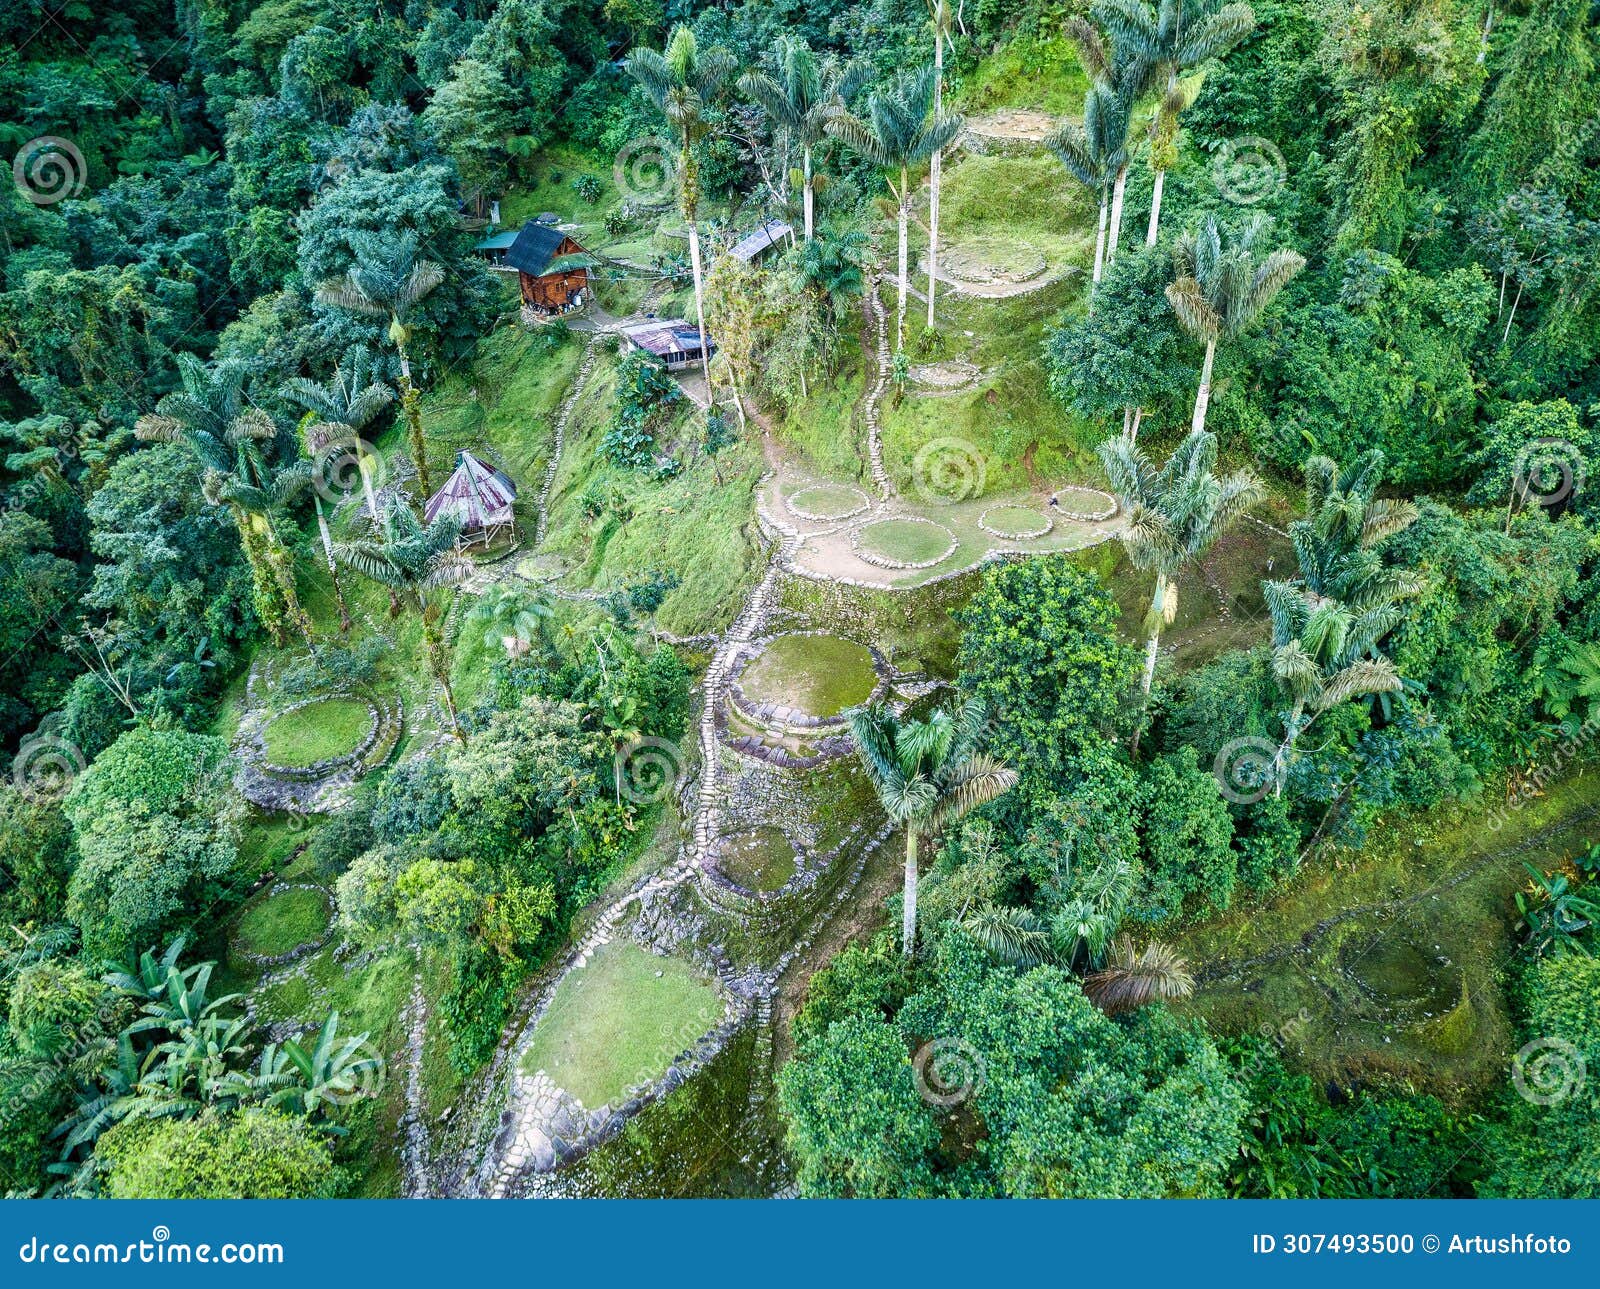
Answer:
x=927 y=773
x=336 y=414
x=414 y=562
x=1124 y=76
x=1175 y=515
x=1324 y=653
x=210 y=418
x=900 y=130
x=1221 y=289
x=1132 y=978
x=800 y=99
x=1096 y=153
x=513 y=617
x=387 y=280
x=1170 y=38
x=344 y=405
x=681 y=82
x=1339 y=542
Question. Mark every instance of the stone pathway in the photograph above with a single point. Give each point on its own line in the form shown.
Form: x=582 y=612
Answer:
x=415 y=1151
x=591 y=349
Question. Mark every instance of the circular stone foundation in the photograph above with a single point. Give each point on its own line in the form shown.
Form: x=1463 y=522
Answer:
x=904 y=543
x=1089 y=505
x=288 y=921
x=820 y=676
x=322 y=730
x=992 y=261
x=760 y=860
x=1402 y=977
x=827 y=501
x=1017 y=523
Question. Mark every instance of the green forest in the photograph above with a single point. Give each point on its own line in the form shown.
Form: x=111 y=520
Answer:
x=655 y=598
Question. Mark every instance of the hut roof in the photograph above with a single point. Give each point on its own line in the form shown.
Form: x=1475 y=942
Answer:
x=476 y=494
x=498 y=242
x=661 y=337
x=762 y=240
x=534 y=248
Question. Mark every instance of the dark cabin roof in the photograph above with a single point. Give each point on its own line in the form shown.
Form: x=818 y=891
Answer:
x=534 y=248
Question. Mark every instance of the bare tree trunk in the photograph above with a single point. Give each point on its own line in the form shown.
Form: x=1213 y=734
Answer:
x=908 y=923
x=1100 y=242
x=1515 y=301
x=905 y=219
x=934 y=170
x=1155 y=208
x=1115 y=235
x=410 y=402
x=333 y=568
x=699 y=301
x=806 y=196
x=1202 y=397
x=1483 y=35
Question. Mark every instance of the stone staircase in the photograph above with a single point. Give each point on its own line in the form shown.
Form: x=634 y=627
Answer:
x=563 y=415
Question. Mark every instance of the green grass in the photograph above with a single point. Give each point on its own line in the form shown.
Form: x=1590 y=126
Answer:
x=318 y=731
x=619 y=1022
x=284 y=920
x=1043 y=75
x=909 y=541
x=759 y=860
x=687 y=525
x=819 y=675
x=829 y=501
x=1020 y=521
x=502 y=405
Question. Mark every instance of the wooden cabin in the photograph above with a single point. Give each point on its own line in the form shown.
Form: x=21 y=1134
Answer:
x=553 y=270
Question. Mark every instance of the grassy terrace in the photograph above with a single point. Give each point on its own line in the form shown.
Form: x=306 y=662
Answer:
x=317 y=731
x=619 y=1022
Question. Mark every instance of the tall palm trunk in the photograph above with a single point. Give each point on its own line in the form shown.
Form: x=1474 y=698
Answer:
x=333 y=568
x=411 y=404
x=267 y=598
x=1153 y=644
x=690 y=169
x=439 y=664
x=1202 y=396
x=807 y=197
x=908 y=922
x=1100 y=242
x=903 y=282
x=1155 y=208
x=283 y=574
x=935 y=168
x=365 y=471
x=1116 y=215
